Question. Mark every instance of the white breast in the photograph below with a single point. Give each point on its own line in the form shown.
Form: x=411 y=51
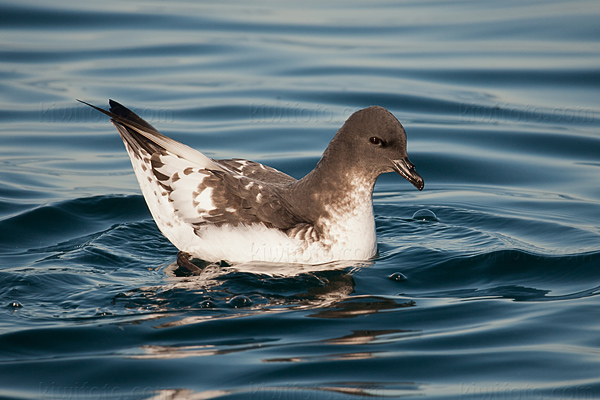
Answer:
x=351 y=229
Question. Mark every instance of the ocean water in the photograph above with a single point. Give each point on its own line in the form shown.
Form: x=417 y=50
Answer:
x=486 y=285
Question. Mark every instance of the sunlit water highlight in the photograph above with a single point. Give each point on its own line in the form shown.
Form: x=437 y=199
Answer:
x=486 y=284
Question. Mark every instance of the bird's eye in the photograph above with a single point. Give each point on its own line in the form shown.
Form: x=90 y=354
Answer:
x=376 y=141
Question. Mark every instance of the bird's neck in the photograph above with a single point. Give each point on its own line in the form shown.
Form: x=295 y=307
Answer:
x=332 y=187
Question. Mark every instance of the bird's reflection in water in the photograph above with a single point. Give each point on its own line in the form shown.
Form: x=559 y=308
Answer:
x=253 y=326
x=224 y=291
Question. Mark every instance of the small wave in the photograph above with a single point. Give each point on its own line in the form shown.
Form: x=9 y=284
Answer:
x=60 y=222
x=506 y=273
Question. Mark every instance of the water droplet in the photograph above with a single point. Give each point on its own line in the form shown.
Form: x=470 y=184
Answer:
x=240 y=301
x=15 y=304
x=398 y=277
x=208 y=304
x=103 y=312
x=424 y=215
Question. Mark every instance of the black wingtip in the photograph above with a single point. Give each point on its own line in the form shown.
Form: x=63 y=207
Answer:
x=115 y=108
x=96 y=108
x=124 y=112
x=116 y=105
x=118 y=108
x=121 y=114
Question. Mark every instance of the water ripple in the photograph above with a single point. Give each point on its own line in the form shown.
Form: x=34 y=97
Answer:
x=495 y=297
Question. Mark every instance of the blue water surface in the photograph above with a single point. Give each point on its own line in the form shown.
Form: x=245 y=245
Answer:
x=490 y=291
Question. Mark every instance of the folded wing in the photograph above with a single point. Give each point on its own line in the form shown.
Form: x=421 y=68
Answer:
x=180 y=182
